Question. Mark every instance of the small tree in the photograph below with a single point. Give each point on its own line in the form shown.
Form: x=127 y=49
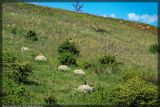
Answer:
x=68 y=46
x=68 y=53
x=77 y=6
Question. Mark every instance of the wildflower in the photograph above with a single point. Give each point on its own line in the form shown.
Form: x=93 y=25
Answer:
x=40 y=58
x=79 y=72
x=85 y=88
x=63 y=68
x=24 y=49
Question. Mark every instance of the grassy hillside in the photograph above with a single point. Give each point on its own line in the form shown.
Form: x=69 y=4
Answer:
x=128 y=41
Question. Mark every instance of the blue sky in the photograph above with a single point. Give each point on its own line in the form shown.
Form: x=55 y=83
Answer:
x=146 y=12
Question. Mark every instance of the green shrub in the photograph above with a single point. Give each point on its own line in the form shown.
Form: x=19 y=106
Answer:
x=14 y=30
x=21 y=71
x=17 y=31
x=106 y=64
x=67 y=58
x=32 y=35
x=8 y=58
x=87 y=65
x=148 y=76
x=134 y=91
x=68 y=46
x=50 y=100
x=154 y=48
x=107 y=59
x=14 y=93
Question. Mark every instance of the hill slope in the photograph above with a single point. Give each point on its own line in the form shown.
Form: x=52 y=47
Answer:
x=128 y=43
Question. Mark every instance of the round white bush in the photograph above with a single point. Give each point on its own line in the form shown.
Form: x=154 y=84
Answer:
x=79 y=72
x=85 y=88
x=40 y=58
x=63 y=68
x=24 y=49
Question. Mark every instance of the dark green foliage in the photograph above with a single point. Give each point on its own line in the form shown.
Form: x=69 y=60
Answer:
x=154 y=48
x=21 y=71
x=134 y=91
x=106 y=64
x=32 y=35
x=50 y=100
x=107 y=59
x=14 y=93
x=148 y=76
x=67 y=58
x=87 y=65
x=17 y=31
x=14 y=30
x=68 y=53
x=8 y=58
x=68 y=46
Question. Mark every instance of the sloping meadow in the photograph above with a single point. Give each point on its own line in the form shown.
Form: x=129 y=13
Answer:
x=43 y=29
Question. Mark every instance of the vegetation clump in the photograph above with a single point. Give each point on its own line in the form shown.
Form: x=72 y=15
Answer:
x=14 y=93
x=154 y=48
x=107 y=59
x=68 y=46
x=134 y=91
x=8 y=58
x=50 y=100
x=87 y=65
x=32 y=35
x=21 y=71
x=67 y=58
x=14 y=30
x=68 y=53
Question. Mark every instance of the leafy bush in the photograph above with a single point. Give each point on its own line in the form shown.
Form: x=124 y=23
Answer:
x=68 y=53
x=14 y=30
x=50 y=100
x=8 y=57
x=107 y=59
x=106 y=64
x=154 y=48
x=67 y=58
x=148 y=76
x=68 y=46
x=32 y=35
x=14 y=93
x=134 y=91
x=87 y=65
x=21 y=71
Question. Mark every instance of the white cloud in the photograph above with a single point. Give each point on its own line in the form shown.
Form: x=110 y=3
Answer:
x=143 y=18
x=133 y=16
x=111 y=15
x=104 y=15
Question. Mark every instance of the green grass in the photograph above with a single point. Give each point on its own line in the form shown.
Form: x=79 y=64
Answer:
x=129 y=43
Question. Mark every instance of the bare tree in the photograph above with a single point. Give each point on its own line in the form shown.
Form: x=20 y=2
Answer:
x=77 y=6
